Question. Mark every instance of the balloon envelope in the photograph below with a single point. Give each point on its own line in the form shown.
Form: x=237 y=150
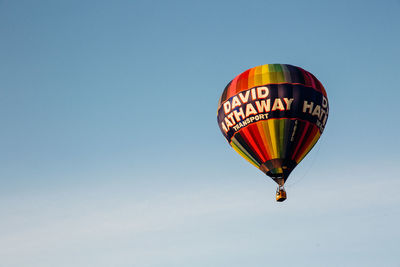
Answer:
x=273 y=115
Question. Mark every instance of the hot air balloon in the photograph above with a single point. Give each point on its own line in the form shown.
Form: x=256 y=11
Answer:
x=273 y=115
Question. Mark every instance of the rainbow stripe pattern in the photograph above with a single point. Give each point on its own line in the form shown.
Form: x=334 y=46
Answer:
x=282 y=138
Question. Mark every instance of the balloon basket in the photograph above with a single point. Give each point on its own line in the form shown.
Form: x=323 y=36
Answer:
x=280 y=194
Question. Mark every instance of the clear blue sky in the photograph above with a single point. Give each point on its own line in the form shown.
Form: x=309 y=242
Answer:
x=110 y=154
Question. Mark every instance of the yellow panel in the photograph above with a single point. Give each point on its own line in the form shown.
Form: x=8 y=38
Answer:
x=265 y=74
x=258 y=76
x=272 y=134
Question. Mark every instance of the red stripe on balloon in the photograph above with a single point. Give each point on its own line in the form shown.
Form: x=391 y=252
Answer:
x=255 y=132
x=243 y=81
x=248 y=137
x=300 y=141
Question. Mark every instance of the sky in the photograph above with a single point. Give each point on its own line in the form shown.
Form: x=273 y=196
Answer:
x=110 y=153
